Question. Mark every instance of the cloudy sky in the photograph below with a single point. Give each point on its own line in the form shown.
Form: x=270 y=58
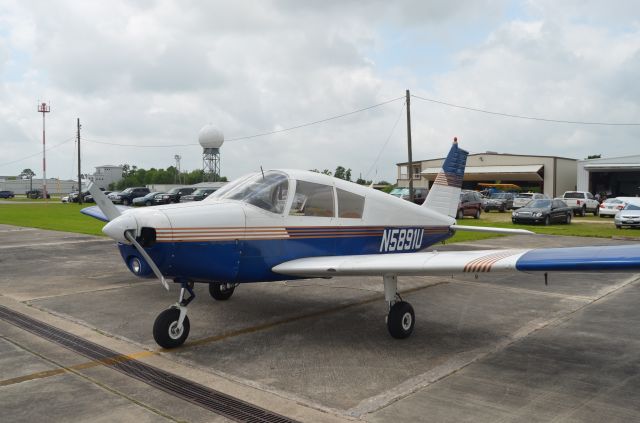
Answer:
x=147 y=74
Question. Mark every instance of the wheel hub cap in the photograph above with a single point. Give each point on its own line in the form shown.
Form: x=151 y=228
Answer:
x=174 y=331
x=406 y=321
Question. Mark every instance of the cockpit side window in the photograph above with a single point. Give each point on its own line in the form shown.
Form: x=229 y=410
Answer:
x=312 y=199
x=350 y=205
x=268 y=191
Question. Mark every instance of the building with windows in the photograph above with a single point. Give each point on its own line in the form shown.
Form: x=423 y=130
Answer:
x=550 y=175
x=105 y=175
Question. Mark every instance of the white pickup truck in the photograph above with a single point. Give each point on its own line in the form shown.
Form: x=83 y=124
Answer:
x=581 y=202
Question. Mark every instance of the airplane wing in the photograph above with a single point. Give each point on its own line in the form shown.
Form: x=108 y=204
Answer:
x=574 y=259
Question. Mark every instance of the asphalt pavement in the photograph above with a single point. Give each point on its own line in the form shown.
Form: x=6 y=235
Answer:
x=495 y=348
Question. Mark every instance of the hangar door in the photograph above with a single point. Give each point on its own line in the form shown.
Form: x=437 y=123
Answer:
x=616 y=182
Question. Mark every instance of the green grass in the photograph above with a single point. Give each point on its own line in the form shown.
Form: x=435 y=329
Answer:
x=67 y=217
x=51 y=215
x=580 y=226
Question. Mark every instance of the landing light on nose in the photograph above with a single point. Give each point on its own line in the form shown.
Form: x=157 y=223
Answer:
x=118 y=226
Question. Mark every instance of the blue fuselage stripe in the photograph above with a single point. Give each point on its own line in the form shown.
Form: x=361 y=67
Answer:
x=251 y=260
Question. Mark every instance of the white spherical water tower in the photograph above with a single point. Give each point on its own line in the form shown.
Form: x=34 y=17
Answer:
x=211 y=139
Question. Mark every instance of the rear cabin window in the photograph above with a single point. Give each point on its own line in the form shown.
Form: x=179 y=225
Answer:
x=312 y=199
x=350 y=206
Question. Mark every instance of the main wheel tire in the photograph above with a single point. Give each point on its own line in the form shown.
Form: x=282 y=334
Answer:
x=401 y=320
x=567 y=219
x=547 y=221
x=477 y=215
x=618 y=226
x=596 y=211
x=125 y=202
x=147 y=203
x=460 y=214
x=165 y=329
x=220 y=292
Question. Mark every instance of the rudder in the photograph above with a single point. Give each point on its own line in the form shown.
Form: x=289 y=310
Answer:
x=444 y=194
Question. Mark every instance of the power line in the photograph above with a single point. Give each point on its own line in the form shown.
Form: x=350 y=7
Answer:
x=575 y=122
x=366 y=175
x=256 y=135
x=136 y=145
x=315 y=122
x=37 y=154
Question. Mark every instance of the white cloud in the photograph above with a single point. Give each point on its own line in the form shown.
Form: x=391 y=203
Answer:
x=154 y=72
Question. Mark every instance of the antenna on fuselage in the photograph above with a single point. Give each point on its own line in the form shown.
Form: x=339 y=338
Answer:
x=262 y=172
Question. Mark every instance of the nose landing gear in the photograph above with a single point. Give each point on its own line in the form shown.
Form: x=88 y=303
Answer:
x=171 y=327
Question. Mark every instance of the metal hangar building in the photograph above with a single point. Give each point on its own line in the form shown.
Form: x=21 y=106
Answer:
x=550 y=175
x=617 y=176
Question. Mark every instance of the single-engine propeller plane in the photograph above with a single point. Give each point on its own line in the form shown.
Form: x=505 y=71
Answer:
x=288 y=224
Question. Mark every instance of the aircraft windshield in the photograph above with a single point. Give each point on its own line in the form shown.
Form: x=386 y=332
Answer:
x=269 y=192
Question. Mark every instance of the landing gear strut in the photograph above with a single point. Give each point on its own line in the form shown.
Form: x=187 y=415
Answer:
x=401 y=318
x=221 y=291
x=171 y=327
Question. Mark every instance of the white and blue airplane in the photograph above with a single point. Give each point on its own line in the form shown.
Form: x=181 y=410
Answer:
x=288 y=224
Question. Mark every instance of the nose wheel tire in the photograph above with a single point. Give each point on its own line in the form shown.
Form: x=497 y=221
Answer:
x=166 y=331
x=401 y=320
x=221 y=291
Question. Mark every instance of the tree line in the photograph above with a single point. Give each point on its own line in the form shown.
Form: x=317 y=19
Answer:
x=132 y=176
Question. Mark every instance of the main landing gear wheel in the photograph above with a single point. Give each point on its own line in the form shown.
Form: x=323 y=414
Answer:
x=400 y=320
x=221 y=291
x=166 y=330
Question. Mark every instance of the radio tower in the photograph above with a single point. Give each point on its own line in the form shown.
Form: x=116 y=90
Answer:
x=211 y=139
x=44 y=108
x=178 y=175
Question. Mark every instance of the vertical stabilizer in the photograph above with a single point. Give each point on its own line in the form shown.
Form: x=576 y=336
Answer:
x=444 y=194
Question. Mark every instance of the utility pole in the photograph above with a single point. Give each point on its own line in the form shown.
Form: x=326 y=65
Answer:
x=410 y=171
x=177 y=176
x=44 y=108
x=79 y=174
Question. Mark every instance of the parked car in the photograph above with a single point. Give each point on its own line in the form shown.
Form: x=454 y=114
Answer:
x=500 y=201
x=629 y=216
x=36 y=193
x=126 y=197
x=523 y=198
x=581 y=202
x=198 y=195
x=7 y=194
x=173 y=195
x=89 y=198
x=470 y=205
x=73 y=196
x=545 y=211
x=611 y=206
x=419 y=194
x=147 y=200
x=64 y=199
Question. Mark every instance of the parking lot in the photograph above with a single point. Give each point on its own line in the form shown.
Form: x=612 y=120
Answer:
x=496 y=348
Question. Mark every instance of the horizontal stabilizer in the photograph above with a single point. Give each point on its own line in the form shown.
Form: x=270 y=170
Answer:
x=491 y=230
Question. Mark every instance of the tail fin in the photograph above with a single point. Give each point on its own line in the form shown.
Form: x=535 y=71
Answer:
x=444 y=194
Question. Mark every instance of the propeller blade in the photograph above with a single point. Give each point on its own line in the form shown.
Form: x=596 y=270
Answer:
x=105 y=205
x=144 y=254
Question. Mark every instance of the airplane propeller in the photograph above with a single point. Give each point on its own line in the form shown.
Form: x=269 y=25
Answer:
x=114 y=228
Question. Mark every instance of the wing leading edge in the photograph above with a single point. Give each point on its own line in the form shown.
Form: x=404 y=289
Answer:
x=574 y=259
